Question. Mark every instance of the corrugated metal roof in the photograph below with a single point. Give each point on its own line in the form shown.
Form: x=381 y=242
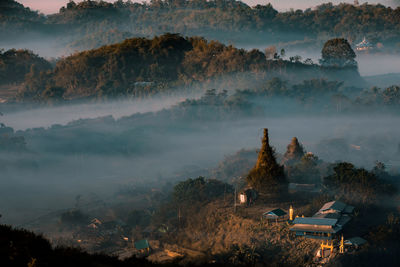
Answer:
x=356 y=241
x=348 y=209
x=315 y=229
x=343 y=220
x=315 y=221
x=332 y=215
x=334 y=205
x=142 y=244
x=275 y=212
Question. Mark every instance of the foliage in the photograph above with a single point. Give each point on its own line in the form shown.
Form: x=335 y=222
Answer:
x=222 y=20
x=74 y=218
x=388 y=97
x=306 y=170
x=138 y=218
x=199 y=190
x=138 y=65
x=244 y=255
x=9 y=141
x=338 y=53
x=19 y=247
x=234 y=166
x=356 y=185
x=15 y=64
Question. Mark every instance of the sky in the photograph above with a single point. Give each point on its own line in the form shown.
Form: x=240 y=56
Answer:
x=52 y=6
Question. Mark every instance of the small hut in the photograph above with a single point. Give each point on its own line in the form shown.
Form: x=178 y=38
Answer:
x=364 y=45
x=248 y=196
x=142 y=246
x=355 y=242
x=276 y=214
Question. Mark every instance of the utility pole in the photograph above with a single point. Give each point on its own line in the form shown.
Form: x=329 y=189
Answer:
x=179 y=217
x=234 y=205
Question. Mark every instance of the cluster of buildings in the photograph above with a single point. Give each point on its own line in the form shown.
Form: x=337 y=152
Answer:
x=325 y=223
x=364 y=46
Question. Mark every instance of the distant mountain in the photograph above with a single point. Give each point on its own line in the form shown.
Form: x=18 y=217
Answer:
x=83 y=25
x=16 y=20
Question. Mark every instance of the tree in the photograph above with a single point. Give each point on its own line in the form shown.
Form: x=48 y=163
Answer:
x=199 y=190
x=338 y=53
x=356 y=185
x=305 y=170
x=267 y=176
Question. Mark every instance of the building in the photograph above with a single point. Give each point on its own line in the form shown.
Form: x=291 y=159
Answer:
x=364 y=45
x=276 y=214
x=248 y=196
x=355 y=241
x=324 y=224
x=142 y=246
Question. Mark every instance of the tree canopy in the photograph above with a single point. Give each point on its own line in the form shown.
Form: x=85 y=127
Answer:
x=96 y=23
x=338 y=53
x=356 y=184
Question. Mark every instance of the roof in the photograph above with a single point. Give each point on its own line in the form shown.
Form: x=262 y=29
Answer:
x=302 y=229
x=348 y=209
x=315 y=221
x=364 y=43
x=142 y=244
x=334 y=205
x=333 y=215
x=343 y=220
x=275 y=212
x=355 y=241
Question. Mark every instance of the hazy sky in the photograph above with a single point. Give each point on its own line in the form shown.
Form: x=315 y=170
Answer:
x=52 y=6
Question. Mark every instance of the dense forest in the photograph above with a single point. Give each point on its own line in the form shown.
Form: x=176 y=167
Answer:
x=15 y=64
x=90 y=24
x=141 y=66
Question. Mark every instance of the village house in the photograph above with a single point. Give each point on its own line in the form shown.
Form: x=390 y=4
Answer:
x=276 y=215
x=324 y=224
x=248 y=196
x=364 y=45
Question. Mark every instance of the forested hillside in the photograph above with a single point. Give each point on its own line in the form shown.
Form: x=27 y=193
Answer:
x=141 y=66
x=16 y=20
x=231 y=19
x=90 y=24
x=15 y=64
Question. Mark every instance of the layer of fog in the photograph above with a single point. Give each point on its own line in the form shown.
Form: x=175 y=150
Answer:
x=45 y=117
x=368 y=64
x=28 y=193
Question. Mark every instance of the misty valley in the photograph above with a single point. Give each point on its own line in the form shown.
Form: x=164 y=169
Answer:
x=199 y=133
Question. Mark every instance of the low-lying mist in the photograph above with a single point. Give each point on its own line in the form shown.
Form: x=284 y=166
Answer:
x=98 y=157
x=36 y=117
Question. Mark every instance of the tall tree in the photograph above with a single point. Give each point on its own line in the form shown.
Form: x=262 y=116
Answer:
x=338 y=53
